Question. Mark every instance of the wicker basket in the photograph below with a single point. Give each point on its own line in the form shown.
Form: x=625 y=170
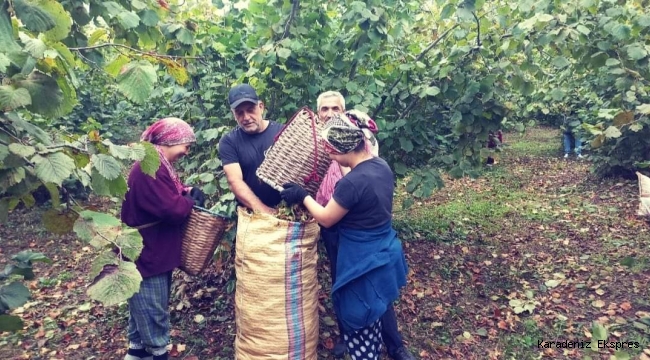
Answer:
x=297 y=154
x=202 y=233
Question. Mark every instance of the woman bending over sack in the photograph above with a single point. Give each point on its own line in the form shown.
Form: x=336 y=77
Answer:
x=371 y=267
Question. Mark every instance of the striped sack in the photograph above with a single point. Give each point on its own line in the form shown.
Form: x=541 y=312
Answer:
x=276 y=298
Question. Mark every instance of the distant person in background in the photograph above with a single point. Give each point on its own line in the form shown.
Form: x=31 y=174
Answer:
x=494 y=141
x=572 y=135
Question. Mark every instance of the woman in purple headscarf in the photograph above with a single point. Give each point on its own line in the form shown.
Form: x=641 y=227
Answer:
x=157 y=207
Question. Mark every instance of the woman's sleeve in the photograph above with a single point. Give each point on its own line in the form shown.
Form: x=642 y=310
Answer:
x=160 y=198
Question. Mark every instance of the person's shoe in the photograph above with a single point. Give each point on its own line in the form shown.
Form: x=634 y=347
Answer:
x=339 y=350
x=580 y=156
x=138 y=354
x=403 y=354
x=566 y=156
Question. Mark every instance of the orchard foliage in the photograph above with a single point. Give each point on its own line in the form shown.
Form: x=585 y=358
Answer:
x=82 y=78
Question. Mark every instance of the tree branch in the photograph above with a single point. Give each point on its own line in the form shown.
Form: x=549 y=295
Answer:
x=144 y=53
x=294 y=10
x=10 y=134
x=418 y=58
x=478 y=30
x=355 y=64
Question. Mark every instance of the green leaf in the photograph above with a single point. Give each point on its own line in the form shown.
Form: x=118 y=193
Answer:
x=95 y=228
x=113 y=8
x=30 y=128
x=13 y=296
x=10 y=323
x=151 y=161
x=612 y=132
x=130 y=242
x=54 y=167
x=136 y=81
x=432 y=90
x=545 y=17
x=612 y=62
x=28 y=256
x=583 y=29
x=557 y=94
x=107 y=166
x=446 y=11
x=552 y=283
x=621 y=32
x=116 y=65
x=598 y=331
x=138 y=152
x=636 y=127
x=406 y=144
x=284 y=52
x=12 y=98
x=121 y=152
x=22 y=150
x=54 y=194
x=643 y=109
x=621 y=355
x=34 y=18
x=149 y=18
x=115 y=284
x=206 y=177
x=644 y=20
x=46 y=90
x=8 y=43
x=636 y=51
x=35 y=47
x=61 y=18
x=69 y=94
x=96 y=36
x=107 y=257
x=4 y=62
x=108 y=187
x=4 y=151
x=560 y=62
x=90 y=224
x=352 y=87
x=138 y=4
x=185 y=36
x=128 y=19
x=464 y=14
x=400 y=168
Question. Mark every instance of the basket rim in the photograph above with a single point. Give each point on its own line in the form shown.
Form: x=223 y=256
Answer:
x=208 y=212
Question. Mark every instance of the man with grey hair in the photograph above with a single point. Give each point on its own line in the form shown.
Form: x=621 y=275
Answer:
x=330 y=103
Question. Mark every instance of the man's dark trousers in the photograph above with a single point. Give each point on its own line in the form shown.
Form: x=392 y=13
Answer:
x=391 y=336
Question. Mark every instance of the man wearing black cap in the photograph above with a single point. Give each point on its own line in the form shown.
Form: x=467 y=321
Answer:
x=242 y=150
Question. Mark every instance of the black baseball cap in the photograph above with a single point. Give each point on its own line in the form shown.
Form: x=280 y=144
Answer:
x=240 y=94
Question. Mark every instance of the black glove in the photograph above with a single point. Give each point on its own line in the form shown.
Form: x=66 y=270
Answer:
x=293 y=193
x=198 y=196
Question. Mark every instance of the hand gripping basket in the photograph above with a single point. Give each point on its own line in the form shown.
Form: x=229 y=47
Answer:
x=202 y=233
x=297 y=154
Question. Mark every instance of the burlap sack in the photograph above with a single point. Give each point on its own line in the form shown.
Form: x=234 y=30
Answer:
x=644 y=195
x=276 y=298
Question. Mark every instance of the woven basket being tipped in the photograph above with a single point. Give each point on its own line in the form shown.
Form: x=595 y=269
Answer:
x=297 y=155
x=202 y=233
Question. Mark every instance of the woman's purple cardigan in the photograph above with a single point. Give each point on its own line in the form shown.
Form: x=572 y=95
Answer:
x=150 y=200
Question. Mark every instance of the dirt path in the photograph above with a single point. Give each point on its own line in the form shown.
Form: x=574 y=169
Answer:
x=535 y=250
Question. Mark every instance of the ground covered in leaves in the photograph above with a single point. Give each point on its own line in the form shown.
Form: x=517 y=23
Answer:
x=535 y=251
